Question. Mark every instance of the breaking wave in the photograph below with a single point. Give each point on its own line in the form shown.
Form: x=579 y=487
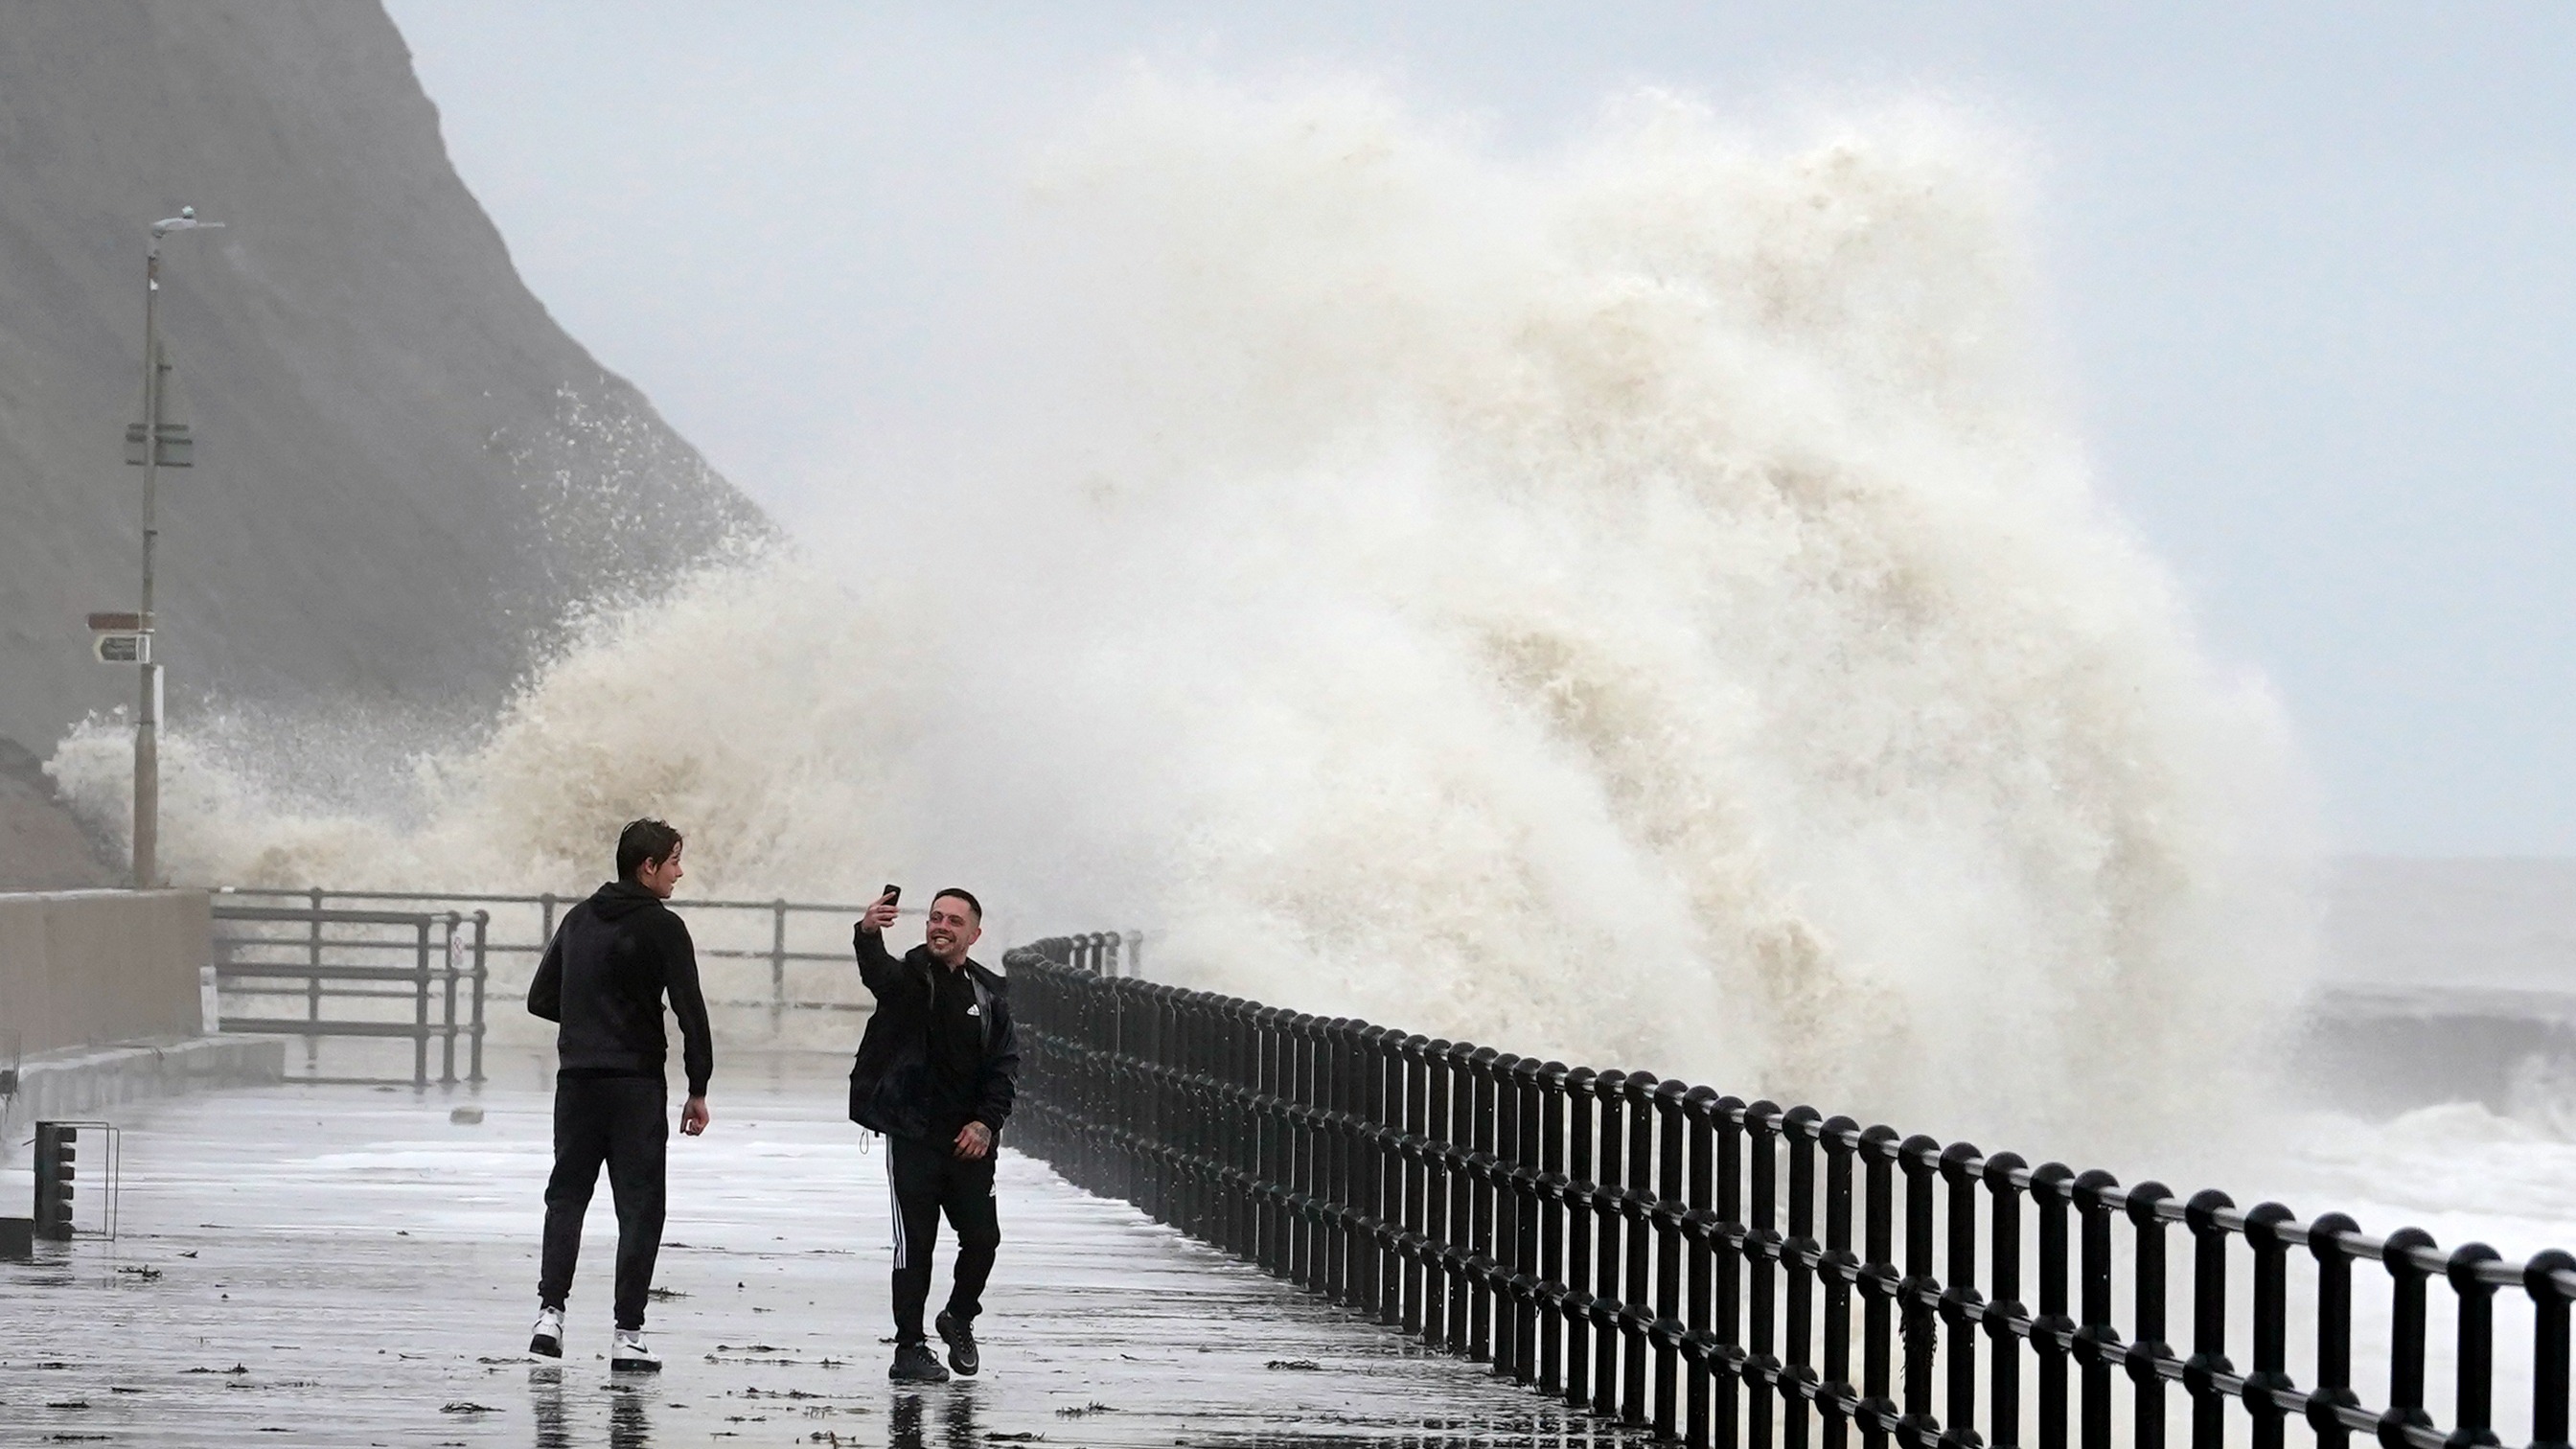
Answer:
x=1640 y=603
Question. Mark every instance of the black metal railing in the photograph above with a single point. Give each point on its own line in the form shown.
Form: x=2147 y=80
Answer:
x=402 y=975
x=1732 y=1273
x=765 y=964
x=1099 y=953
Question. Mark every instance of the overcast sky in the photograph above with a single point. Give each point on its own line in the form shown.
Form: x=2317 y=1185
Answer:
x=2313 y=274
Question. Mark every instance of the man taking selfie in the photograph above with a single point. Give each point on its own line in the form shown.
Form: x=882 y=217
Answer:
x=936 y=1073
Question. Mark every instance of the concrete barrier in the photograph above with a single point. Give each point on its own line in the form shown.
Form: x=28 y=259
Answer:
x=90 y=968
x=101 y=995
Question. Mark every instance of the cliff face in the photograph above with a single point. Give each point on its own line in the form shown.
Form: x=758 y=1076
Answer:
x=404 y=468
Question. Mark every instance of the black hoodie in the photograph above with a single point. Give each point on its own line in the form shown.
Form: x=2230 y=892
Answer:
x=603 y=977
x=893 y=1085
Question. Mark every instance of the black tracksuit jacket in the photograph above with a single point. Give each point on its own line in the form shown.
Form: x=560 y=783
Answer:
x=891 y=1087
x=603 y=978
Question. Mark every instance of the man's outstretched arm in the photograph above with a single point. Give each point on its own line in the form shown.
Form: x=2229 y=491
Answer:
x=877 y=967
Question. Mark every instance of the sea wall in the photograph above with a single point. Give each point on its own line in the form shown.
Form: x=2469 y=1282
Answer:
x=90 y=968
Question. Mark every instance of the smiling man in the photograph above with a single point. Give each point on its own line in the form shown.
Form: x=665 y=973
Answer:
x=936 y=1073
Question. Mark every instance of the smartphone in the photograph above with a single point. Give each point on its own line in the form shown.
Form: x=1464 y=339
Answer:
x=892 y=893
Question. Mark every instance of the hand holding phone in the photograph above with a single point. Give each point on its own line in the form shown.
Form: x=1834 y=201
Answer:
x=881 y=914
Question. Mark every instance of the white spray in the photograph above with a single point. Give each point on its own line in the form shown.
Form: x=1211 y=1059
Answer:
x=1635 y=606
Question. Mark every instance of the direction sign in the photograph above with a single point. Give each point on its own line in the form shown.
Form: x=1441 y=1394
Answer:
x=178 y=450
x=132 y=646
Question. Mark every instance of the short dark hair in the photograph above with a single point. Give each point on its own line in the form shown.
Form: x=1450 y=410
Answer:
x=651 y=840
x=968 y=897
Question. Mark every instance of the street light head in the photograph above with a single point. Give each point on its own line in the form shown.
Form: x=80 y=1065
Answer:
x=186 y=220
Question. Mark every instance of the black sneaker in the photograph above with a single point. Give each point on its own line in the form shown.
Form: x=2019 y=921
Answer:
x=960 y=1338
x=915 y=1364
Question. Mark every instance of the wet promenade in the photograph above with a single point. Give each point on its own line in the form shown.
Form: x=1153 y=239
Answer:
x=342 y=1266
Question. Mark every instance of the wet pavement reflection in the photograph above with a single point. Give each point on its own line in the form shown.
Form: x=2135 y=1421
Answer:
x=337 y=1266
x=630 y=1414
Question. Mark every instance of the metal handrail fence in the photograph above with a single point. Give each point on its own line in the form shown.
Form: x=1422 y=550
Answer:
x=759 y=933
x=356 y=956
x=1098 y=953
x=1676 y=1257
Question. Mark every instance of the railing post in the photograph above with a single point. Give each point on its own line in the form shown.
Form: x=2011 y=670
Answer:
x=1800 y=1129
x=1919 y=1158
x=2405 y=1332
x=1437 y=1159
x=2271 y=1327
x=420 y=1004
x=313 y=988
x=1359 y=1278
x=1636 y=1313
x=1381 y=1179
x=1483 y=1329
x=2003 y=1374
x=1700 y=1107
x=1418 y=1179
x=777 y=967
x=2473 y=1418
x=2334 y=1330
x=2148 y=1350
x=1727 y=1374
x=1243 y=1125
x=2052 y=1189
x=482 y=974
x=448 y=970
x=2208 y=1362
x=2097 y=1343
x=2541 y=1278
x=1762 y=1253
x=1609 y=1196
x=1303 y=1239
x=1528 y=1186
x=1553 y=1183
x=1961 y=1306
x=1333 y=1257
x=1671 y=1215
x=1276 y=1232
x=1460 y=1251
x=1841 y=1271
x=1581 y=1094
x=1880 y=1284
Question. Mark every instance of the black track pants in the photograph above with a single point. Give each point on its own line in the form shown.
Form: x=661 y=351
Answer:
x=625 y=1123
x=928 y=1178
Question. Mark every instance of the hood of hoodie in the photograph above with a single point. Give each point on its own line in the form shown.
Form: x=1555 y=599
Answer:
x=621 y=898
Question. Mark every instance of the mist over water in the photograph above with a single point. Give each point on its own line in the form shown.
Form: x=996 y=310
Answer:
x=1640 y=604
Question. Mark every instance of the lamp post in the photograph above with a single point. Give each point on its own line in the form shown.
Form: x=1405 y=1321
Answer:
x=147 y=709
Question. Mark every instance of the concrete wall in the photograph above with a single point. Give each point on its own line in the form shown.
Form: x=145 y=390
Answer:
x=85 y=968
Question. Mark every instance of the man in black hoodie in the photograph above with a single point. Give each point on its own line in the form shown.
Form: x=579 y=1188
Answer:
x=603 y=978
x=936 y=1073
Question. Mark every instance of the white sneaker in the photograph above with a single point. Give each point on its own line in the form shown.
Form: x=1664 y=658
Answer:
x=632 y=1354
x=546 y=1339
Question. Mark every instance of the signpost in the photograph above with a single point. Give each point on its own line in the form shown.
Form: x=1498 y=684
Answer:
x=178 y=450
x=120 y=639
x=169 y=447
